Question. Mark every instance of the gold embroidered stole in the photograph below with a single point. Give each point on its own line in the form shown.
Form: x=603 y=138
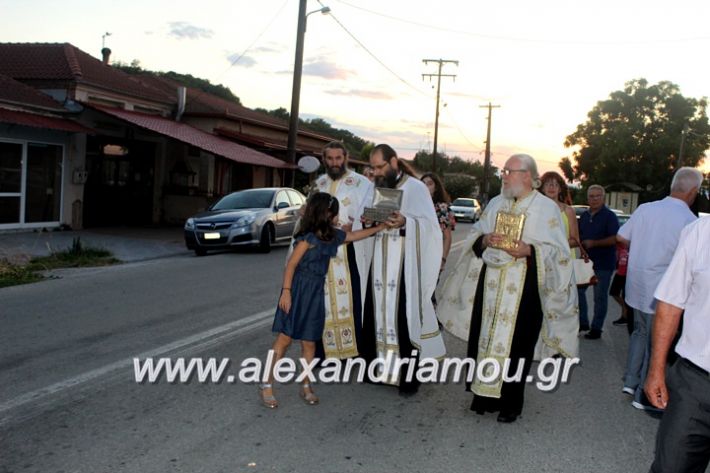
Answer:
x=339 y=331
x=502 y=292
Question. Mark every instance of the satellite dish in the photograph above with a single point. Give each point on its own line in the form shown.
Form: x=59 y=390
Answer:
x=308 y=164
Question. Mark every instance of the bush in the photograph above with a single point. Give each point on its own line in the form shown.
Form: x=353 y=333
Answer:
x=460 y=185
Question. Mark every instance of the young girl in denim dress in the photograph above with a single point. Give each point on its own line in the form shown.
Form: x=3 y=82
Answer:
x=300 y=314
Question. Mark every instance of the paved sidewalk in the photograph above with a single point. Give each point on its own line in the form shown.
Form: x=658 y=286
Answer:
x=127 y=244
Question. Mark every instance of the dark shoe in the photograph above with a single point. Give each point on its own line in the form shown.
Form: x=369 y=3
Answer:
x=593 y=335
x=584 y=328
x=507 y=418
x=408 y=390
x=620 y=321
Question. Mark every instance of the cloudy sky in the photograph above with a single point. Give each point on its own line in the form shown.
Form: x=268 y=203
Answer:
x=545 y=63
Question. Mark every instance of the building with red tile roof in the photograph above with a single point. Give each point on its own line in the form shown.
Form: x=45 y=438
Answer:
x=128 y=160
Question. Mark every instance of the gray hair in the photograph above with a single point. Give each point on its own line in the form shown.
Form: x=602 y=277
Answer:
x=530 y=165
x=596 y=187
x=686 y=179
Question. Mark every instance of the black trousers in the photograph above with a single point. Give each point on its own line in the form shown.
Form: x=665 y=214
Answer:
x=683 y=441
x=525 y=335
x=368 y=347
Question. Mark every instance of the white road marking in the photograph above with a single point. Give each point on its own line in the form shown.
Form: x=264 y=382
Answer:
x=193 y=343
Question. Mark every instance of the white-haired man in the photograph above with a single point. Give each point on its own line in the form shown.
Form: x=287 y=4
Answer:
x=652 y=234
x=516 y=303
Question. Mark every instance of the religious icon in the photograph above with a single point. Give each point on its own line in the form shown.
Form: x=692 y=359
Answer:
x=510 y=225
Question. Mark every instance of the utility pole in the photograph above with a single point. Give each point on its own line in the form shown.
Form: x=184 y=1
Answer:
x=487 y=162
x=438 y=75
x=296 y=90
x=683 y=134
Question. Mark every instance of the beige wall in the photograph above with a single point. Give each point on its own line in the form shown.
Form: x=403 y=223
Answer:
x=74 y=161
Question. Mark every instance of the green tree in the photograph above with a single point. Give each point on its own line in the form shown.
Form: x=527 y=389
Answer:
x=354 y=144
x=460 y=185
x=635 y=135
x=134 y=68
x=452 y=167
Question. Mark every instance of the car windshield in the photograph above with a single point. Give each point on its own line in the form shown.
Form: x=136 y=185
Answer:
x=463 y=203
x=251 y=199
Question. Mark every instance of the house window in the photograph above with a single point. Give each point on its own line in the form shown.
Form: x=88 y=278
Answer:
x=30 y=183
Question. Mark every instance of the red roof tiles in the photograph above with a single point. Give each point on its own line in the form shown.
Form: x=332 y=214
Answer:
x=63 y=62
x=17 y=93
x=41 y=121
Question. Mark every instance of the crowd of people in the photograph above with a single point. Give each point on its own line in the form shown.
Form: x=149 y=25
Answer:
x=359 y=288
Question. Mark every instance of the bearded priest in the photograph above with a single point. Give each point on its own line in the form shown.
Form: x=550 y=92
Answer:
x=512 y=294
x=399 y=323
x=347 y=272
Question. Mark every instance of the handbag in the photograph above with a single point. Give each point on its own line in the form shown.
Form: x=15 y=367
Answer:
x=583 y=269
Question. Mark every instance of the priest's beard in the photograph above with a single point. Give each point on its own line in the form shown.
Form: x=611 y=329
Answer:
x=336 y=172
x=512 y=191
x=389 y=180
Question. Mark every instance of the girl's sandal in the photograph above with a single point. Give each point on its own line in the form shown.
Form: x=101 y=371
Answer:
x=267 y=401
x=308 y=397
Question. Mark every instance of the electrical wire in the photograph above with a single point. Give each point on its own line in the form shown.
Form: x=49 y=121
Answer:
x=278 y=13
x=373 y=56
x=524 y=40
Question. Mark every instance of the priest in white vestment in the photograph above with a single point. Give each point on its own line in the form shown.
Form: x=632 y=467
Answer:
x=519 y=303
x=347 y=272
x=399 y=320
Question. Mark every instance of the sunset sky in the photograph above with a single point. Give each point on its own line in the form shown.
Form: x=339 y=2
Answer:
x=545 y=63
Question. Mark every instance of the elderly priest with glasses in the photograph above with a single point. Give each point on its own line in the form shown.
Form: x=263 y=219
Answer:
x=512 y=294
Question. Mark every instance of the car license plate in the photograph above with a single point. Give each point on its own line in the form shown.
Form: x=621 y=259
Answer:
x=212 y=236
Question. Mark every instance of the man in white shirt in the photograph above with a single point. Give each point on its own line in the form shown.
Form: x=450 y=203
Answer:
x=652 y=232
x=683 y=442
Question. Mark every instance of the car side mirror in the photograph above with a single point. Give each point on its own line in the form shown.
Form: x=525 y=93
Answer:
x=282 y=205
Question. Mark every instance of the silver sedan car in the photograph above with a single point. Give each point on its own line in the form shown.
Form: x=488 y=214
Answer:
x=466 y=209
x=252 y=217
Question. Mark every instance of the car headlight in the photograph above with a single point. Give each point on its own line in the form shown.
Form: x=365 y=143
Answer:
x=190 y=224
x=244 y=221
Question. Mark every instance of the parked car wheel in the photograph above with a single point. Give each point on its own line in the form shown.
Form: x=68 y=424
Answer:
x=200 y=252
x=266 y=238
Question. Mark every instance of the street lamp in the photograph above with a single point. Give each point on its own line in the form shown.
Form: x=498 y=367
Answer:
x=296 y=90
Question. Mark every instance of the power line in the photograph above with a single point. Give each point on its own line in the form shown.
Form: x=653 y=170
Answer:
x=463 y=135
x=278 y=12
x=438 y=76
x=525 y=40
x=367 y=50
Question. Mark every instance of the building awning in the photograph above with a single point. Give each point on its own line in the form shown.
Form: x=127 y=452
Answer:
x=275 y=146
x=195 y=137
x=15 y=117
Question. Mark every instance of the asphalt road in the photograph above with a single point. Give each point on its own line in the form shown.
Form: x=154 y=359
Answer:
x=69 y=401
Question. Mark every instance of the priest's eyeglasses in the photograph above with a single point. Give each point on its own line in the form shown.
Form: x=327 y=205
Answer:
x=508 y=172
